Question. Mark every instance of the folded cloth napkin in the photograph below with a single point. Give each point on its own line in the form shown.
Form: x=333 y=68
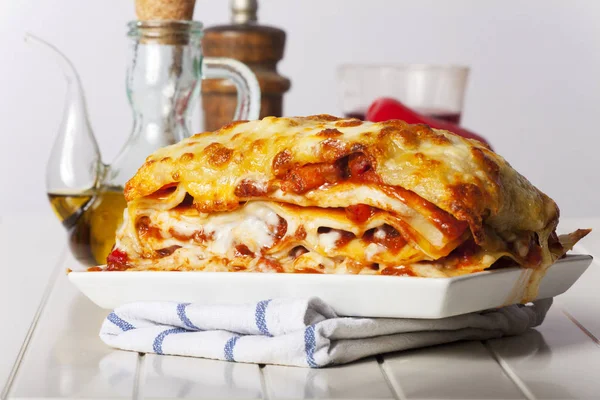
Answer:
x=296 y=332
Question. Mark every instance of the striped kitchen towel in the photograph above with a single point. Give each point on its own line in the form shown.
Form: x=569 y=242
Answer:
x=305 y=333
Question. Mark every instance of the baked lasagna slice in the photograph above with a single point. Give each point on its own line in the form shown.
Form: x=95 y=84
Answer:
x=321 y=194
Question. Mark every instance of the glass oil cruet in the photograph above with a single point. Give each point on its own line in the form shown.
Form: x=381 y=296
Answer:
x=162 y=85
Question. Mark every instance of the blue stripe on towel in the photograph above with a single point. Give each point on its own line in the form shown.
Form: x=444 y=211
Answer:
x=259 y=317
x=124 y=325
x=184 y=318
x=228 y=350
x=310 y=345
x=158 y=341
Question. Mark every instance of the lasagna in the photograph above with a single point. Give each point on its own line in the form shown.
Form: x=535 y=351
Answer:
x=325 y=195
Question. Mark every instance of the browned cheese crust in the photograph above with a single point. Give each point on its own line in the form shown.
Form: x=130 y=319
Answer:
x=460 y=176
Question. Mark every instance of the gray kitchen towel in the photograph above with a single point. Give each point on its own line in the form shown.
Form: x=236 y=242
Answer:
x=298 y=332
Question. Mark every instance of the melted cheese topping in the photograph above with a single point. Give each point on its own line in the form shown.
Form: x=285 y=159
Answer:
x=460 y=176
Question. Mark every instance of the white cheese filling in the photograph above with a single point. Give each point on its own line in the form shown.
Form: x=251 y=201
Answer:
x=328 y=241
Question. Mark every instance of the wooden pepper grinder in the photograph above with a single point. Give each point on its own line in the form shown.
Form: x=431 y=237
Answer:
x=258 y=46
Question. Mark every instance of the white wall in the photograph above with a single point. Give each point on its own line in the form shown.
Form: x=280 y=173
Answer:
x=534 y=88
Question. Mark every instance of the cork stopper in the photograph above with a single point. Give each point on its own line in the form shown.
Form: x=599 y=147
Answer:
x=152 y=10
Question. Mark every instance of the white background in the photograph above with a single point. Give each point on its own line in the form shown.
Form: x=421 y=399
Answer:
x=534 y=90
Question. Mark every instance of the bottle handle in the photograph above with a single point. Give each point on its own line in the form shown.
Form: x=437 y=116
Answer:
x=248 y=90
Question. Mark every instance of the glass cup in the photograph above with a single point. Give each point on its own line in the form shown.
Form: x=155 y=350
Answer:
x=433 y=90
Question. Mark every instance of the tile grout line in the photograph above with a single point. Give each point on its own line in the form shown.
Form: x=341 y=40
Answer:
x=140 y=373
x=32 y=327
x=509 y=372
x=579 y=325
x=389 y=379
x=263 y=382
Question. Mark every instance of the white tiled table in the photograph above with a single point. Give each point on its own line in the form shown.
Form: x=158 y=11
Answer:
x=63 y=357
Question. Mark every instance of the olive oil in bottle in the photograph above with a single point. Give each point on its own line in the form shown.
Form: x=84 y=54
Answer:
x=91 y=219
x=68 y=207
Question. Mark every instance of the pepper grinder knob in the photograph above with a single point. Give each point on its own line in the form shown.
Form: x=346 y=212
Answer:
x=244 y=11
